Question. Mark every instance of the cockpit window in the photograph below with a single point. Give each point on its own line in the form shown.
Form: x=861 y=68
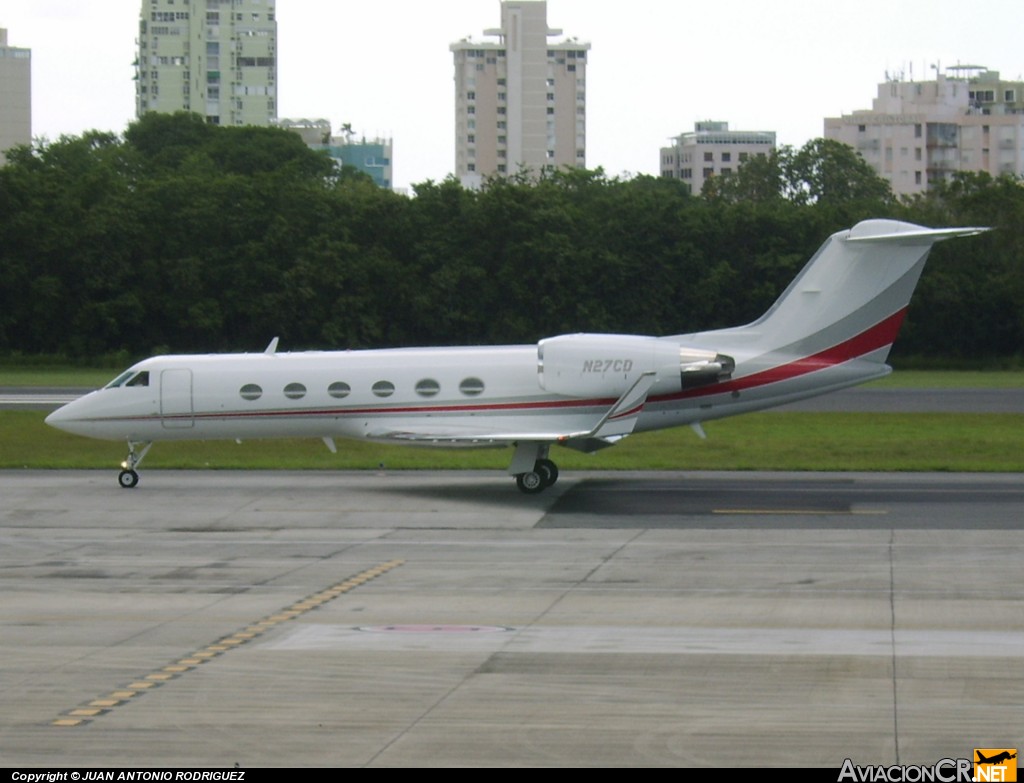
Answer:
x=120 y=379
x=129 y=378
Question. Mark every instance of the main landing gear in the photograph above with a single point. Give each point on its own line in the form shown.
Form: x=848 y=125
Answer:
x=543 y=475
x=128 y=478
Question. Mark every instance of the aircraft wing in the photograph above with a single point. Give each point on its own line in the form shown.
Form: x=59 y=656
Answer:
x=616 y=423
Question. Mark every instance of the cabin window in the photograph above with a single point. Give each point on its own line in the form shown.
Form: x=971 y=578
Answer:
x=428 y=387
x=251 y=392
x=471 y=387
x=294 y=391
x=339 y=389
x=383 y=388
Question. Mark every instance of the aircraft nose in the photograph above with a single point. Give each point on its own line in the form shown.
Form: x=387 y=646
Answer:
x=59 y=418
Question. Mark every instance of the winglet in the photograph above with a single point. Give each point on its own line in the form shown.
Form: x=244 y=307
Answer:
x=272 y=348
x=621 y=418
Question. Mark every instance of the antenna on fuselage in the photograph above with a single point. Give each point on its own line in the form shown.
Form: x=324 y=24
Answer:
x=272 y=348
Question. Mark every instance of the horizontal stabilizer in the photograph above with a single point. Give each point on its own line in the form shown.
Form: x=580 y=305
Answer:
x=894 y=232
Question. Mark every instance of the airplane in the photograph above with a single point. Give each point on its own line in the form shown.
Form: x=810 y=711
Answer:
x=830 y=329
x=996 y=759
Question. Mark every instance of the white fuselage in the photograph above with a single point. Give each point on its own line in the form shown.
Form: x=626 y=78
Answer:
x=466 y=396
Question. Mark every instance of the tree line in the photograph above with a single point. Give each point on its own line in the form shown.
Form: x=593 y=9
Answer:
x=181 y=236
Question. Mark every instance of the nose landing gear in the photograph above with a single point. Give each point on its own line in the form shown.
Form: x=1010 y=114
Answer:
x=128 y=478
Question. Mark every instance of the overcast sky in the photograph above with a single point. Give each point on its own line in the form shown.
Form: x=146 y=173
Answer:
x=655 y=66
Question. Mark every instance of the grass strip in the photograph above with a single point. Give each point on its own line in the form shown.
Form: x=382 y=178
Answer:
x=757 y=441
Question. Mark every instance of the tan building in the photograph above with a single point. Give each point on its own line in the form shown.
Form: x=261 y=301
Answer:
x=15 y=96
x=920 y=133
x=217 y=58
x=712 y=150
x=520 y=101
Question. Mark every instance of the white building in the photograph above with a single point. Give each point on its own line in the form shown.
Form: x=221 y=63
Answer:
x=919 y=133
x=217 y=58
x=712 y=150
x=15 y=96
x=520 y=101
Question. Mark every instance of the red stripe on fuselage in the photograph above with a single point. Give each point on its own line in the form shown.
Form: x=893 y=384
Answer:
x=878 y=336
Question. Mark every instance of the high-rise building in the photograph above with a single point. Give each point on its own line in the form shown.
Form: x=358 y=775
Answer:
x=712 y=150
x=217 y=58
x=15 y=96
x=370 y=156
x=919 y=133
x=520 y=101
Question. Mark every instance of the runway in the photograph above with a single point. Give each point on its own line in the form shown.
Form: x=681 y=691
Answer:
x=443 y=619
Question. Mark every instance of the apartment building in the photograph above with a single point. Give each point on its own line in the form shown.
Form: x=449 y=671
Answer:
x=370 y=156
x=217 y=58
x=919 y=133
x=520 y=100
x=712 y=150
x=15 y=96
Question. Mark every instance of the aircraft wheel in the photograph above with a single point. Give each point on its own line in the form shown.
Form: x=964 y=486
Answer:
x=548 y=471
x=128 y=479
x=530 y=483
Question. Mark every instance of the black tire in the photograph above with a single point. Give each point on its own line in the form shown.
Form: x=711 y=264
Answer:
x=548 y=471
x=530 y=483
x=128 y=479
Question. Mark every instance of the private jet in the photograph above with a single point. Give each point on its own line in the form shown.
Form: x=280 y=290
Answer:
x=830 y=329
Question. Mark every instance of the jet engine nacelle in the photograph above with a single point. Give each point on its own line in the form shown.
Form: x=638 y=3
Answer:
x=606 y=365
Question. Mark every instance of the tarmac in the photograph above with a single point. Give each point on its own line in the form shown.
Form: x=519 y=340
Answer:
x=346 y=619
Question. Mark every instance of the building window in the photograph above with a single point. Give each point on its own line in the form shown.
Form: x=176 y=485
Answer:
x=726 y=157
x=708 y=157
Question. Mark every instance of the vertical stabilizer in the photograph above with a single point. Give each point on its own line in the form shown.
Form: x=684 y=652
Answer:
x=848 y=302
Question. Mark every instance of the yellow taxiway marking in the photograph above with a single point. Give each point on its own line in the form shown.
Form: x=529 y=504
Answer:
x=79 y=716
